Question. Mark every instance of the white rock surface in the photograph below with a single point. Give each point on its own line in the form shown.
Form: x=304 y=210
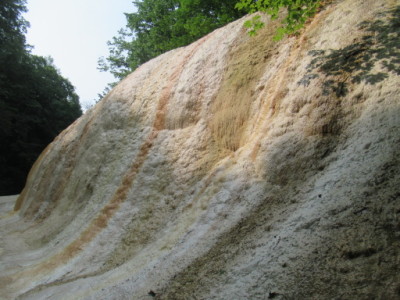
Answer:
x=233 y=168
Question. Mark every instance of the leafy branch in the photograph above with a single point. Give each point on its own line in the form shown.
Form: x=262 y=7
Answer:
x=298 y=12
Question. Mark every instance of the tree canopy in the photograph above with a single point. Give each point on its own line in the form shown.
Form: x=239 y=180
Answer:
x=36 y=102
x=161 y=25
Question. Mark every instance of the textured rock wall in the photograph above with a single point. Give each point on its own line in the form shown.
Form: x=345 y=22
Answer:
x=233 y=168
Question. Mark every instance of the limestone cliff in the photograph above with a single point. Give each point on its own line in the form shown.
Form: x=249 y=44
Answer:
x=233 y=168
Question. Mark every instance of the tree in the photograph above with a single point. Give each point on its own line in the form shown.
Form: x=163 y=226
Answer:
x=298 y=12
x=161 y=25
x=36 y=102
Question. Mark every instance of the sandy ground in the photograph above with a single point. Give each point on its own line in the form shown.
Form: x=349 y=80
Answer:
x=7 y=203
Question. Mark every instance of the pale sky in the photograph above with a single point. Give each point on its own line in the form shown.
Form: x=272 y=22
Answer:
x=75 y=34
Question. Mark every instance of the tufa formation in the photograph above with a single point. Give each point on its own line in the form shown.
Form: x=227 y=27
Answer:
x=233 y=168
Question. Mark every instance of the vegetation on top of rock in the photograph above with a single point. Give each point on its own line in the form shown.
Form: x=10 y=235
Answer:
x=158 y=26
x=298 y=12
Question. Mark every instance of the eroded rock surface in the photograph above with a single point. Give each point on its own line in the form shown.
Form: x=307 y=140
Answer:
x=233 y=168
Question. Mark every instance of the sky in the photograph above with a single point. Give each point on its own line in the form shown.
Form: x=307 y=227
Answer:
x=75 y=34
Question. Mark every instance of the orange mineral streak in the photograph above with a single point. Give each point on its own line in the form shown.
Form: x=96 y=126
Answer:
x=31 y=175
x=59 y=187
x=121 y=194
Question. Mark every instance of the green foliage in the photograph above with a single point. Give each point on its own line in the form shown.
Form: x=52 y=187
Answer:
x=298 y=12
x=254 y=25
x=36 y=102
x=161 y=25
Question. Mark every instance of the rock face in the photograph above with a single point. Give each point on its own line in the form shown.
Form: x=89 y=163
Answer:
x=233 y=168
